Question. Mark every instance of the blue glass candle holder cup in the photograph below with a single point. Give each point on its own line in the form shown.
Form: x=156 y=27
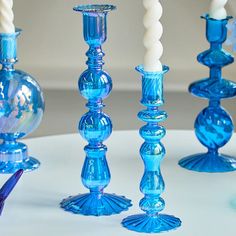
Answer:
x=213 y=126
x=152 y=152
x=21 y=108
x=95 y=126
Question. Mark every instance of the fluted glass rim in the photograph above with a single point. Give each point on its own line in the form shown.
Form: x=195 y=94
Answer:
x=207 y=17
x=94 y=8
x=16 y=33
x=141 y=70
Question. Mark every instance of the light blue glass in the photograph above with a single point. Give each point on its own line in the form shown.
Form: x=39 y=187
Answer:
x=95 y=126
x=231 y=39
x=152 y=152
x=213 y=126
x=21 y=109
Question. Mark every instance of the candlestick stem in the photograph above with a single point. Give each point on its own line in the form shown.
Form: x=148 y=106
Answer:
x=152 y=152
x=213 y=126
x=95 y=126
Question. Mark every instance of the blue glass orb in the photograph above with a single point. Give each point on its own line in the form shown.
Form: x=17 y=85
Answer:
x=21 y=104
x=214 y=127
x=156 y=134
x=152 y=153
x=95 y=127
x=152 y=205
x=93 y=86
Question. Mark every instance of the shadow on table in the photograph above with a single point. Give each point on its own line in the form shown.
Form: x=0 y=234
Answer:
x=233 y=203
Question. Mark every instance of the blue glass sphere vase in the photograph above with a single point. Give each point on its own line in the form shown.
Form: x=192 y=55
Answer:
x=213 y=126
x=152 y=152
x=95 y=126
x=21 y=109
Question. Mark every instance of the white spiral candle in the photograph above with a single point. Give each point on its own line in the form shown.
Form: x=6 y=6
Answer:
x=6 y=17
x=217 y=9
x=154 y=31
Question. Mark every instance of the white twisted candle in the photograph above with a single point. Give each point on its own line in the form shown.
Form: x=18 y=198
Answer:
x=6 y=17
x=152 y=36
x=217 y=9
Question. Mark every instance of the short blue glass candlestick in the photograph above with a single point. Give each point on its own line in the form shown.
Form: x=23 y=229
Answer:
x=213 y=126
x=95 y=126
x=21 y=109
x=152 y=152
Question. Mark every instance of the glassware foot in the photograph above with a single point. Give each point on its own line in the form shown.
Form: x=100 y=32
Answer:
x=207 y=162
x=27 y=165
x=96 y=204
x=151 y=224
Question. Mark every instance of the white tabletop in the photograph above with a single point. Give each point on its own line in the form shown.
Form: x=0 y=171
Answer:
x=204 y=202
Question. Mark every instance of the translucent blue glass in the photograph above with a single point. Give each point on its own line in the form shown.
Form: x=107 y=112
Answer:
x=213 y=126
x=8 y=187
x=152 y=152
x=95 y=126
x=21 y=109
x=231 y=39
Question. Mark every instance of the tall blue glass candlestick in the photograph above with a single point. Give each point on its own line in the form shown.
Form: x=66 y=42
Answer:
x=21 y=109
x=213 y=126
x=95 y=126
x=152 y=152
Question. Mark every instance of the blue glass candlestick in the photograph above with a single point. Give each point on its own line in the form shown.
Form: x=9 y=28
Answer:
x=21 y=109
x=152 y=152
x=213 y=126
x=95 y=126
